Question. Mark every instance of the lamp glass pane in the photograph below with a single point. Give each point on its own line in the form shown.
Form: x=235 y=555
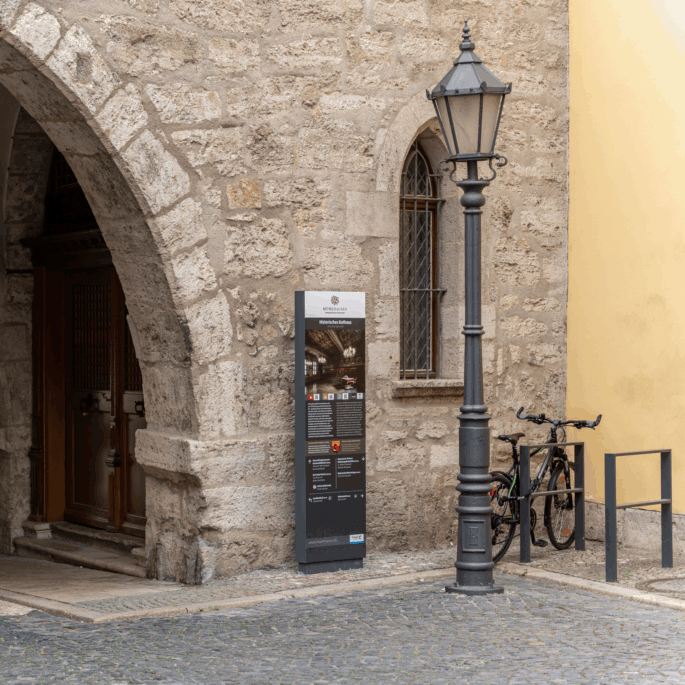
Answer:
x=465 y=111
x=491 y=103
x=445 y=121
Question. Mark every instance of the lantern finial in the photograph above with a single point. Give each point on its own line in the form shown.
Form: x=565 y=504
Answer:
x=467 y=43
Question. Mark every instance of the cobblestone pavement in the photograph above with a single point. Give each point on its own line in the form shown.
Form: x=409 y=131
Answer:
x=277 y=580
x=410 y=633
x=636 y=568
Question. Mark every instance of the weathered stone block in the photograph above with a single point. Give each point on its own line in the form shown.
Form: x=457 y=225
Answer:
x=370 y=50
x=305 y=14
x=8 y=8
x=445 y=456
x=274 y=96
x=159 y=175
x=425 y=46
x=222 y=148
x=254 y=509
x=516 y=327
x=209 y=323
x=277 y=411
x=324 y=264
x=282 y=458
x=389 y=266
x=141 y=47
x=432 y=429
x=515 y=263
x=244 y=195
x=193 y=274
x=220 y=396
x=270 y=151
x=373 y=214
x=400 y=458
x=123 y=116
x=234 y=55
x=180 y=228
x=384 y=360
x=160 y=335
x=387 y=318
x=78 y=63
x=258 y=250
x=38 y=30
x=335 y=146
x=544 y=354
x=178 y=103
x=402 y=12
x=309 y=53
x=387 y=514
x=218 y=14
x=232 y=462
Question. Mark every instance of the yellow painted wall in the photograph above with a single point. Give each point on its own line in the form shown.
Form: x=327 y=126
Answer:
x=626 y=309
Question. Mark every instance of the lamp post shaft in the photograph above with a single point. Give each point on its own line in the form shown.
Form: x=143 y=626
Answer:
x=474 y=548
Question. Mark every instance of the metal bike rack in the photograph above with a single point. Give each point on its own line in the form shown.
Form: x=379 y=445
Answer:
x=610 y=509
x=526 y=496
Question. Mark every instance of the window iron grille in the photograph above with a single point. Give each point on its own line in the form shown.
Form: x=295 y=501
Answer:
x=420 y=290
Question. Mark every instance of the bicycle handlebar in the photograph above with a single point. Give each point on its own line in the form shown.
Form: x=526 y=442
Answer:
x=541 y=418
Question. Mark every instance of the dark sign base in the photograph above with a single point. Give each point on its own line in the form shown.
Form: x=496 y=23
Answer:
x=328 y=566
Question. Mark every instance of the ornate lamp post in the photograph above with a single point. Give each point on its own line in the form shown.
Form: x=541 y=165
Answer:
x=469 y=102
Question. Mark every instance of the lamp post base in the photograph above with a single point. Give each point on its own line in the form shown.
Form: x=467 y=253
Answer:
x=474 y=590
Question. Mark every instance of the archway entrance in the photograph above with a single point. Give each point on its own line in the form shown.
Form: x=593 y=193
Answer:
x=88 y=395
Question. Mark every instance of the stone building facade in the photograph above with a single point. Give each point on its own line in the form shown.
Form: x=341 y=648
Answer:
x=234 y=152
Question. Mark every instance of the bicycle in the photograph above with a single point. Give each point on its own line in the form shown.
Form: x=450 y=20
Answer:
x=505 y=494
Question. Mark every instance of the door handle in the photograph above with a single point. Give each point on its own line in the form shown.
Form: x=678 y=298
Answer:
x=88 y=404
x=140 y=408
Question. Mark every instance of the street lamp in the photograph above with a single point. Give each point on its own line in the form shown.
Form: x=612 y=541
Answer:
x=468 y=102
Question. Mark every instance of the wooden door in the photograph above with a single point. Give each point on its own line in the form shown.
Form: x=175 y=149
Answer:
x=105 y=488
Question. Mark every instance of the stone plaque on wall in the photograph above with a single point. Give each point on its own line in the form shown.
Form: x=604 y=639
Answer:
x=330 y=430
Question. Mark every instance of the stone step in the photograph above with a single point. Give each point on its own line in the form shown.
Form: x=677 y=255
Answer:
x=95 y=537
x=86 y=555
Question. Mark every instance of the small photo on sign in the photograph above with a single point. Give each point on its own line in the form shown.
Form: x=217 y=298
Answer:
x=334 y=362
x=331 y=396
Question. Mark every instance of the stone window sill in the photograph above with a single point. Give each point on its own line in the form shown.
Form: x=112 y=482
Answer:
x=432 y=387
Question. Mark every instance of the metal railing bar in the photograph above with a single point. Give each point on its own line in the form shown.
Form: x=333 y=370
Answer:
x=554 y=444
x=548 y=493
x=630 y=454
x=643 y=504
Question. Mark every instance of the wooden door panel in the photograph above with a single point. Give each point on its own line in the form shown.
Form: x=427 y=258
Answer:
x=136 y=475
x=89 y=434
x=88 y=323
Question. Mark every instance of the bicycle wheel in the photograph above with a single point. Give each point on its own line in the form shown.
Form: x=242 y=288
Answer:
x=501 y=520
x=559 y=509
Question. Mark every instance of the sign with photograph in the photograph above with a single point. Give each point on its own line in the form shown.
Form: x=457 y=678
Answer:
x=330 y=430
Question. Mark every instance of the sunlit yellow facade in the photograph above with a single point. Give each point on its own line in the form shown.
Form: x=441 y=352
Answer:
x=626 y=307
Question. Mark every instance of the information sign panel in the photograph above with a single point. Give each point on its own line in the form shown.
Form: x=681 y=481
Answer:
x=330 y=430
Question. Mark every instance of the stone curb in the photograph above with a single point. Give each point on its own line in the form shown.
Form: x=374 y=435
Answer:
x=64 y=610
x=610 y=589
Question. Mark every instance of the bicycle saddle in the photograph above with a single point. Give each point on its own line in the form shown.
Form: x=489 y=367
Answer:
x=513 y=438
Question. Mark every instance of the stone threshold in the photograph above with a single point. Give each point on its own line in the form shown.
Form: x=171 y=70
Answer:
x=76 y=613
x=78 y=554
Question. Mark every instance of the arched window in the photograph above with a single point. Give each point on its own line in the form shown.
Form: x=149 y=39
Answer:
x=419 y=284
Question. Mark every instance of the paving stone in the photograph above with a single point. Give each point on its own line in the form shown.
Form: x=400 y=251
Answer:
x=411 y=633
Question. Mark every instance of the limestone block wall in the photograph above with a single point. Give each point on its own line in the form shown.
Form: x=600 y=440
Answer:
x=236 y=152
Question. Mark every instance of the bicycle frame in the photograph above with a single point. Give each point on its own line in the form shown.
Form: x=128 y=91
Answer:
x=542 y=472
